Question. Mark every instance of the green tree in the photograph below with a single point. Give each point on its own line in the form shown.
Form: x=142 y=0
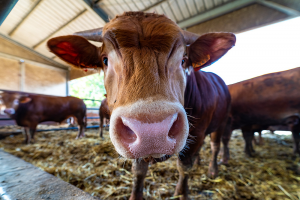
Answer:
x=89 y=87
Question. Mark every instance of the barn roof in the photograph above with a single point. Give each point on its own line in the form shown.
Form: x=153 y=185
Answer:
x=32 y=22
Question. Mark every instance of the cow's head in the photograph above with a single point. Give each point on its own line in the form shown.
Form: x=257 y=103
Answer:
x=143 y=57
x=11 y=101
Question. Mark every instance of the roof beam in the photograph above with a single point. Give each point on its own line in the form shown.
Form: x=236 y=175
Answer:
x=153 y=5
x=289 y=11
x=96 y=8
x=59 y=29
x=24 y=18
x=216 y=12
x=5 y=8
x=55 y=64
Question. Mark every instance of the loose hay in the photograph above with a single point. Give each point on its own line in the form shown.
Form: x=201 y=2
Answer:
x=93 y=165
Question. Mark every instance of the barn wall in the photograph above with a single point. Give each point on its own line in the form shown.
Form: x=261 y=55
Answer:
x=9 y=74
x=39 y=75
x=45 y=80
x=241 y=20
x=37 y=78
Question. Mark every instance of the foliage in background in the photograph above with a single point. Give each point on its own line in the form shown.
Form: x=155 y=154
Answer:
x=89 y=87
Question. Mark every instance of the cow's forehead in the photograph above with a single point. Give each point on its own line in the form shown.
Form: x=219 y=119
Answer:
x=143 y=30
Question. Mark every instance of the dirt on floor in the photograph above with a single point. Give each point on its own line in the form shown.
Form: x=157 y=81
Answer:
x=93 y=165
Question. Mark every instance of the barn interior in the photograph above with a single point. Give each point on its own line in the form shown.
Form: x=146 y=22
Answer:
x=57 y=166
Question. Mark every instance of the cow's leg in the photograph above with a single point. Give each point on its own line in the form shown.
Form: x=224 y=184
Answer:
x=197 y=158
x=185 y=163
x=139 y=170
x=261 y=140
x=248 y=135
x=32 y=131
x=215 y=142
x=296 y=137
x=183 y=167
x=225 y=140
x=101 y=127
x=26 y=134
x=81 y=125
x=80 y=131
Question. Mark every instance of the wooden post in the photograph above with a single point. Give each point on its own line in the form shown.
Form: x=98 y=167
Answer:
x=22 y=75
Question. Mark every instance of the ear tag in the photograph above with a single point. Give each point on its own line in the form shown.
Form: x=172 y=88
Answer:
x=201 y=63
x=25 y=100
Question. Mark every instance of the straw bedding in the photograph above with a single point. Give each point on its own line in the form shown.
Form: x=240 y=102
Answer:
x=93 y=165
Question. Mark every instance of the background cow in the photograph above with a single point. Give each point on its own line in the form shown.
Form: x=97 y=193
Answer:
x=271 y=99
x=30 y=110
x=103 y=115
x=144 y=57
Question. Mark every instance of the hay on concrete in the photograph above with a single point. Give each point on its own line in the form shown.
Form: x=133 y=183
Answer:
x=93 y=165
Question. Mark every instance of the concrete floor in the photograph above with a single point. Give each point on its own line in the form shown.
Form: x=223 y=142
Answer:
x=20 y=180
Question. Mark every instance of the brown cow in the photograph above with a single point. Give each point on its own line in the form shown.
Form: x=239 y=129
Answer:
x=103 y=114
x=144 y=58
x=271 y=99
x=30 y=110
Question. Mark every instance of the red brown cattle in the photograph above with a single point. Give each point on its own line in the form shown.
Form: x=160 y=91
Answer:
x=271 y=99
x=144 y=58
x=103 y=114
x=30 y=110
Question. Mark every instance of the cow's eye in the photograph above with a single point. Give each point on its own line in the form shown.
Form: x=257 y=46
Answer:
x=105 y=61
x=183 y=61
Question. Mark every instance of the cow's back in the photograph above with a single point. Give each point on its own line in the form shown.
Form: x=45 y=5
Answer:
x=207 y=100
x=266 y=99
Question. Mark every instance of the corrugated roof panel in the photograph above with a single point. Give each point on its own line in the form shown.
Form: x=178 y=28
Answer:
x=166 y=9
x=133 y=6
x=115 y=5
x=192 y=7
x=105 y=5
x=174 y=6
x=46 y=19
x=124 y=5
x=182 y=5
x=139 y=4
x=218 y=2
x=200 y=6
x=85 y=22
x=16 y=15
x=209 y=4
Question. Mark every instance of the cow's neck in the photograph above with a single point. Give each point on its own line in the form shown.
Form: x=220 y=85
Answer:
x=198 y=96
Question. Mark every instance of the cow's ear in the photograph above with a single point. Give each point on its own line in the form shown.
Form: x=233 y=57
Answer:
x=75 y=50
x=209 y=48
x=24 y=99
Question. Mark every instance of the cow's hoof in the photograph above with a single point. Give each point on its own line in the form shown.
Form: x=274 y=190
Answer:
x=250 y=152
x=212 y=172
x=223 y=162
x=180 y=197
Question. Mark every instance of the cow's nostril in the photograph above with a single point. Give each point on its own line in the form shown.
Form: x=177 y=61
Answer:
x=126 y=134
x=173 y=132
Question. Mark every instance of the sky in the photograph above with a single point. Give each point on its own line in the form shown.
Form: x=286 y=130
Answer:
x=260 y=51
